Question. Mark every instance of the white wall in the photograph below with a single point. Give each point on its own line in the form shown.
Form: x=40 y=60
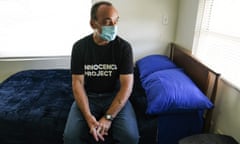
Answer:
x=186 y=22
x=226 y=118
x=141 y=23
x=11 y=66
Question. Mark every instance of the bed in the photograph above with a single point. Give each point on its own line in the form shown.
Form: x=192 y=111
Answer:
x=34 y=104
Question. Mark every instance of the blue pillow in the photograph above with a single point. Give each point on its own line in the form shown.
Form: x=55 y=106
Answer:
x=173 y=91
x=153 y=63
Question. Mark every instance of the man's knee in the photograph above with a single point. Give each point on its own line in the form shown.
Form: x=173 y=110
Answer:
x=128 y=138
x=72 y=135
x=71 y=138
x=67 y=138
x=132 y=139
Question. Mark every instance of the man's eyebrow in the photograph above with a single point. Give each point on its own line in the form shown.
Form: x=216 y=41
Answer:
x=109 y=18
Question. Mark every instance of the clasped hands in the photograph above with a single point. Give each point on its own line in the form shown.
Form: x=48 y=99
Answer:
x=100 y=128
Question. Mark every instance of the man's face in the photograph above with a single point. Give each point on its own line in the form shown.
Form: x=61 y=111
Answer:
x=106 y=16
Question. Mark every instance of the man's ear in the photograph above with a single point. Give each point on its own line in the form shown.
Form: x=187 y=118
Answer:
x=93 y=24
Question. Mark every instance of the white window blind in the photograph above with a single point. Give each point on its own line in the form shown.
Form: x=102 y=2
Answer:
x=217 y=40
x=32 y=28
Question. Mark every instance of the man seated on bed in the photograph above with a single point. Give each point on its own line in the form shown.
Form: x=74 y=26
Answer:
x=99 y=62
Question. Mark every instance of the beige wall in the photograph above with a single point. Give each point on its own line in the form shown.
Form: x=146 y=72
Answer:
x=226 y=118
x=141 y=23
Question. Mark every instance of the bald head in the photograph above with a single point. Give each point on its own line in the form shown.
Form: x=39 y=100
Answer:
x=104 y=13
x=95 y=7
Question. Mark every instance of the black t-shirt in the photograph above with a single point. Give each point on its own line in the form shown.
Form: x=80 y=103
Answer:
x=101 y=65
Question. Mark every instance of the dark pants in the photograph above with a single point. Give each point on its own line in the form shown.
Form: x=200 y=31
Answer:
x=123 y=130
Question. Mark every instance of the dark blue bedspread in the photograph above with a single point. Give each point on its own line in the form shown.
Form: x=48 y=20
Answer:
x=34 y=105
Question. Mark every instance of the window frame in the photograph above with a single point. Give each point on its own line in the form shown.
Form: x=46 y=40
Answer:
x=205 y=31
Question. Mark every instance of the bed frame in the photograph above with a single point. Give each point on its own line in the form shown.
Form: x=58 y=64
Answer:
x=204 y=77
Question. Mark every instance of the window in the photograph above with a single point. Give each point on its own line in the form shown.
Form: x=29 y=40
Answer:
x=217 y=40
x=33 y=28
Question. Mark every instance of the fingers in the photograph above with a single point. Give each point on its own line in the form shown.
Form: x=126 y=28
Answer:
x=93 y=124
x=103 y=130
x=94 y=132
x=98 y=133
x=100 y=130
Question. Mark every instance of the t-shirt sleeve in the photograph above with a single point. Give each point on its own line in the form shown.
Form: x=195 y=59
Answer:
x=126 y=63
x=77 y=60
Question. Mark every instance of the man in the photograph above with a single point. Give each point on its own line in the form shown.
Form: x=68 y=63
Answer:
x=102 y=80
